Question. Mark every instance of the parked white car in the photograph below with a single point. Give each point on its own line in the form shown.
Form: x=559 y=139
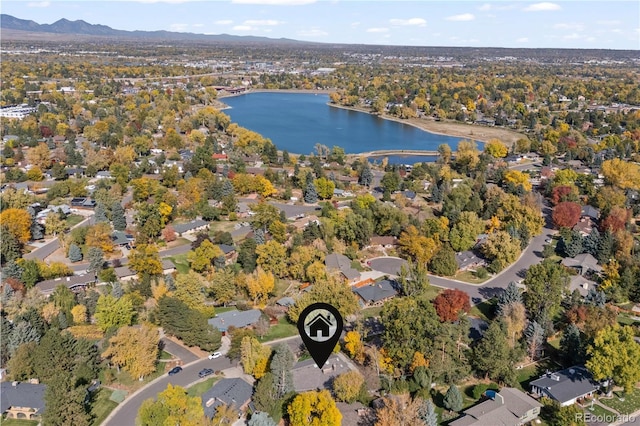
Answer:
x=215 y=355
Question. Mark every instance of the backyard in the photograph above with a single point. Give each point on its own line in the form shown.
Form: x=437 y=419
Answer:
x=623 y=403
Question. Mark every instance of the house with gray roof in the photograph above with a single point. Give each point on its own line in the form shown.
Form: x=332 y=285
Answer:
x=340 y=262
x=74 y=283
x=590 y=212
x=582 y=263
x=376 y=294
x=194 y=225
x=307 y=376
x=231 y=392
x=566 y=386
x=509 y=407
x=22 y=400
x=237 y=319
x=468 y=260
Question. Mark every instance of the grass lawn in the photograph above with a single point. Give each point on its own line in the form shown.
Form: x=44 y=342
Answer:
x=371 y=312
x=101 y=405
x=132 y=384
x=532 y=372
x=283 y=329
x=14 y=422
x=199 y=388
x=485 y=310
x=73 y=219
x=221 y=309
x=469 y=277
x=625 y=319
x=597 y=410
x=165 y=355
x=181 y=262
x=357 y=266
x=630 y=404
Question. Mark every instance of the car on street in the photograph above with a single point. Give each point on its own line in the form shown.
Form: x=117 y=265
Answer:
x=175 y=370
x=205 y=372
x=215 y=355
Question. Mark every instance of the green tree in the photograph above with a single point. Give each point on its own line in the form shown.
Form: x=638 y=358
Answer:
x=545 y=283
x=453 y=399
x=265 y=397
x=310 y=194
x=314 y=408
x=325 y=188
x=614 y=354
x=65 y=402
x=100 y=213
x=571 y=345
x=117 y=216
x=332 y=291
x=112 y=313
x=281 y=366
x=75 y=254
x=173 y=407
x=464 y=233
x=492 y=356
x=189 y=325
x=261 y=418
x=413 y=279
x=444 y=261
x=95 y=256
x=10 y=245
x=247 y=256
x=366 y=176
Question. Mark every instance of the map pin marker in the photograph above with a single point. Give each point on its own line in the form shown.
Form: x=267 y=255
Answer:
x=320 y=327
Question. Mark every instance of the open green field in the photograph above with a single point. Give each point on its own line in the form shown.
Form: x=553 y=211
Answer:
x=623 y=403
x=73 y=220
x=201 y=387
x=283 y=329
x=469 y=277
x=181 y=262
x=101 y=405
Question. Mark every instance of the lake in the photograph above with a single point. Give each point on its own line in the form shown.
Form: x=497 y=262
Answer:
x=296 y=122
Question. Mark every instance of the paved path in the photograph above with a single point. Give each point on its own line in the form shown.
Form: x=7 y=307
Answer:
x=490 y=288
x=185 y=355
x=47 y=249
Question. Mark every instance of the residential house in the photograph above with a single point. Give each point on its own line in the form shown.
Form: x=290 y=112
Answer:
x=24 y=401
x=74 y=283
x=168 y=267
x=189 y=227
x=376 y=294
x=388 y=241
x=582 y=263
x=119 y=238
x=341 y=263
x=468 y=260
x=234 y=392
x=338 y=192
x=584 y=226
x=230 y=253
x=62 y=208
x=307 y=376
x=509 y=407
x=286 y=302
x=566 y=386
x=590 y=212
x=105 y=174
x=302 y=222
x=123 y=273
x=580 y=283
x=237 y=319
x=410 y=195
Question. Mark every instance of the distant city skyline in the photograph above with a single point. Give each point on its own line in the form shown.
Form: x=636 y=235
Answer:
x=512 y=24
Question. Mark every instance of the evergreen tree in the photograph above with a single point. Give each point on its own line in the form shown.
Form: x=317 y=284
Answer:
x=281 y=365
x=509 y=296
x=492 y=356
x=258 y=236
x=116 y=290
x=596 y=298
x=605 y=247
x=571 y=345
x=535 y=336
x=75 y=254
x=265 y=397
x=310 y=194
x=437 y=194
x=261 y=418
x=285 y=157
x=170 y=282
x=96 y=259
x=36 y=231
x=12 y=270
x=591 y=242
x=100 y=213
x=428 y=413
x=10 y=246
x=247 y=256
x=227 y=188
x=366 y=175
x=65 y=403
x=453 y=399
x=22 y=332
x=444 y=262
x=117 y=216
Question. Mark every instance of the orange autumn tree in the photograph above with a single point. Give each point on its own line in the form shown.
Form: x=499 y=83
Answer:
x=450 y=303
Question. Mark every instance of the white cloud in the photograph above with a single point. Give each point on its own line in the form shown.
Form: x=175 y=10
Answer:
x=39 y=4
x=242 y=28
x=409 y=22
x=313 y=33
x=542 y=7
x=274 y=2
x=573 y=36
x=224 y=22
x=461 y=18
x=262 y=22
x=179 y=27
x=573 y=26
x=485 y=7
x=198 y=25
x=522 y=40
x=609 y=22
x=377 y=30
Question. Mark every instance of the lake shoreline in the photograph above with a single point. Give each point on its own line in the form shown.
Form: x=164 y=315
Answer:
x=445 y=128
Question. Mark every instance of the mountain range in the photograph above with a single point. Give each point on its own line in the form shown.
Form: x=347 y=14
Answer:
x=79 y=27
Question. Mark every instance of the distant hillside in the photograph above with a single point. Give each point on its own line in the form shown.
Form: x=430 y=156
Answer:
x=64 y=26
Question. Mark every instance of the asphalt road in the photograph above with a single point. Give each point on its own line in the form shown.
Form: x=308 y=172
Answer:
x=185 y=355
x=490 y=288
x=125 y=413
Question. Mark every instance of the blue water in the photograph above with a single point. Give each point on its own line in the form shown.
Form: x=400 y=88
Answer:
x=296 y=122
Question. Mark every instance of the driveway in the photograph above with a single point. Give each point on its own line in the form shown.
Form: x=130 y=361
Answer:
x=185 y=355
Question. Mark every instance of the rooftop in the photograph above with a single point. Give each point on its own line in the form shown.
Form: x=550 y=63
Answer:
x=506 y=408
x=565 y=385
x=236 y=392
x=18 y=394
x=376 y=292
x=236 y=319
x=307 y=375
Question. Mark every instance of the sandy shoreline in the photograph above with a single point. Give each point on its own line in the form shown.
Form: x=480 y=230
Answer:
x=445 y=128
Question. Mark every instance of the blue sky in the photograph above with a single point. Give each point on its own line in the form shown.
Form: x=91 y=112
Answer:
x=559 y=24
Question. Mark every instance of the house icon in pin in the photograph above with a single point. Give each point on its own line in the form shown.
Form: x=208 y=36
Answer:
x=319 y=324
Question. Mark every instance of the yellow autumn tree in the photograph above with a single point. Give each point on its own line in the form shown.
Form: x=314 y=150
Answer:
x=18 y=222
x=496 y=149
x=516 y=177
x=259 y=285
x=314 y=408
x=418 y=361
x=621 y=173
x=135 y=350
x=79 y=313
x=353 y=346
x=417 y=246
x=254 y=356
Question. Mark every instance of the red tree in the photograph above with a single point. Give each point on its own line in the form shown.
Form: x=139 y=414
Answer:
x=563 y=193
x=169 y=234
x=450 y=302
x=617 y=220
x=566 y=214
